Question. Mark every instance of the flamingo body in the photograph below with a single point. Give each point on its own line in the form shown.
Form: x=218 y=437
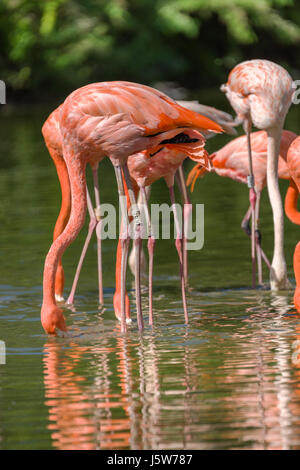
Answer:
x=120 y=118
x=261 y=92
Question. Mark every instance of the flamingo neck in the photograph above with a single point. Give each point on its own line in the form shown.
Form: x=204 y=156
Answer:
x=290 y=205
x=297 y=276
x=278 y=276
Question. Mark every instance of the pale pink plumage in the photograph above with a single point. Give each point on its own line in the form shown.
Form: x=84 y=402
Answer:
x=232 y=159
x=261 y=92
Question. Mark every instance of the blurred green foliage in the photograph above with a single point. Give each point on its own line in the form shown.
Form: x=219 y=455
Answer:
x=53 y=45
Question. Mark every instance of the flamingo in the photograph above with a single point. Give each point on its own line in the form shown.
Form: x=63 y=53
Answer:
x=232 y=161
x=53 y=141
x=162 y=168
x=292 y=195
x=144 y=172
x=260 y=92
x=144 y=168
x=114 y=119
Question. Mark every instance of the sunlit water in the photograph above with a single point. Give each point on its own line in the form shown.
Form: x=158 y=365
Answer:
x=226 y=381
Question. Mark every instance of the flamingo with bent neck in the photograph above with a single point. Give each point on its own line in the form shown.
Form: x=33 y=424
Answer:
x=54 y=143
x=114 y=119
x=260 y=92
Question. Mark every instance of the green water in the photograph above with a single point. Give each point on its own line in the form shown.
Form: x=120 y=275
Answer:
x=226 y=381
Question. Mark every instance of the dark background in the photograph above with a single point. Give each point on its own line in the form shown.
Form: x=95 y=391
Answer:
x=50 y=47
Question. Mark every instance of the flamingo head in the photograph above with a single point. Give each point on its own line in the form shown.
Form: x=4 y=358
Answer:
x=260 y=91
x=198 y=171
x=186 y=141
x=53 y=320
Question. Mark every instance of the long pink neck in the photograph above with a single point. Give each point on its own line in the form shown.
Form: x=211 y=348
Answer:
x=278 y=274
x=290 y=204
x=78 y=209
x=297 y=276
x=293 y=214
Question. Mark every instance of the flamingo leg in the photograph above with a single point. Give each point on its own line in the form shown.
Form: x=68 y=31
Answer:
x=245 y=222
x=246 y=227
x=99 y=241
x=124 y=237
x=92 y=227
x=151 y=245
x=187 y=209
x=131 y=259
x=137 y=243
x=258 y=235
x=117 y=294
x=179 y=248
x=258 y=240
x=51 y=316
x=252 y=199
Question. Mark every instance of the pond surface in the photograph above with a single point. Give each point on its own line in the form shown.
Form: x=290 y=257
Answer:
x=228 y=380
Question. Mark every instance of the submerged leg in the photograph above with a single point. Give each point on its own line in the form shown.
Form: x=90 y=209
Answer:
x=179 y=248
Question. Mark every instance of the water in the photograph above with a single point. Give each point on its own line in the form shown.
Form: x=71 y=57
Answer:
x=226 y=381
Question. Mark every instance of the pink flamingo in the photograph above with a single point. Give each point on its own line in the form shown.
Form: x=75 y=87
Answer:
x=261 y=92
x=144 y=171
x=163 y=164
x=112 y=119
x=292 y=195
x=232 y=162
x=54 y=143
